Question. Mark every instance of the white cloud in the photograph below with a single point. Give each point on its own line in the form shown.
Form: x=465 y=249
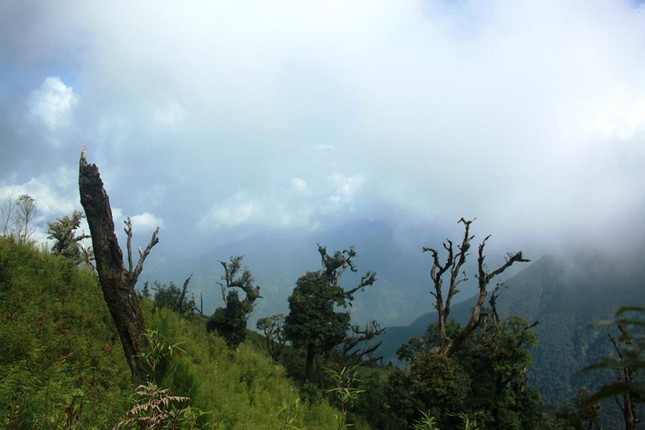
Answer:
x=299 y=186
x=232 y=212
x=170 y=115
x=345 y=188
x=145 y=222
x=50 y=202
x=521 y=113
x=117 y=215
x=52 y=103
x=620 y=118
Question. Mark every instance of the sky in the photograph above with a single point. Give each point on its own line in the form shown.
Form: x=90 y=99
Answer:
x=216 y=120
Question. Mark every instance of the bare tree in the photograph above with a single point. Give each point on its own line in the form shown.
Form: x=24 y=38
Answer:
x=25 y=216
x=452 y=269
x=273 y=329
x=7 y=212
x=244 y=281
x=357 y=348
x=117 y=280
x=18 y=216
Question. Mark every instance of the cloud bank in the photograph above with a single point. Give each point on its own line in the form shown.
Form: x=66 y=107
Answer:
x=222 y=118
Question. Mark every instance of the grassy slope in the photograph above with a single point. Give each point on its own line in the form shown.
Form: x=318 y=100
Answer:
x=58 y=343
x=61 y=358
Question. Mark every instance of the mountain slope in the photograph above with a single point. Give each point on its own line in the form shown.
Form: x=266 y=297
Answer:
x=566 y=294
x=61 y=361
x=278 y=260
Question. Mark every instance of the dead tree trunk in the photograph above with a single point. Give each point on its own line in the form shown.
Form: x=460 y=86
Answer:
x=117 y=281
x=453 y=266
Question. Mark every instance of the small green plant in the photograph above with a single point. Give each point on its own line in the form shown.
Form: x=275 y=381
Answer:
x=157 y=359
x=345 y=391
x=470 y=423
x=427 y=422
x=287 y=415
x=156 y=409
x=65 y=412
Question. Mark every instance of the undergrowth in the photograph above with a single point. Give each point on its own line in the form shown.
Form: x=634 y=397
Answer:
x=62 y=365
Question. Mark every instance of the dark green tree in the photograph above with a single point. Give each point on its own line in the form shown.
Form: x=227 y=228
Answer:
x=174 y=298
x=314 y=323
x=485 y=379
x=66 y=241
x=318 y=318
x=230 y=321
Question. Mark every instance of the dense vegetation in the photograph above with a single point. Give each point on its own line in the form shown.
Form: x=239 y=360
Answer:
x=62 y=365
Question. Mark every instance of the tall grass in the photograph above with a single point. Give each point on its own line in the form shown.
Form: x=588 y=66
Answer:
x=62 y=366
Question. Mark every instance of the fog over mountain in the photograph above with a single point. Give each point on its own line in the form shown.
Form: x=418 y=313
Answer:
x=260 y=128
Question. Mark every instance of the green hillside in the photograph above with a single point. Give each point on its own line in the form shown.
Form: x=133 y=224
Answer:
x=567 y=295
x=62 y=366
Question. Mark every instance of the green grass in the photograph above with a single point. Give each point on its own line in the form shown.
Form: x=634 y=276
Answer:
x=61 y=359
x=62 y=365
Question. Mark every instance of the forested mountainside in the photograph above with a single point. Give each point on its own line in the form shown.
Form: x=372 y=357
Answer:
x=62 y=365
x=567 y=295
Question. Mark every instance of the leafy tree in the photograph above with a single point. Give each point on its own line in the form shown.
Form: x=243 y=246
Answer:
x=485 y=378
x=317 y=319
x=174 y=298
x=63 y=232
x=230 y=321
x=313 y=322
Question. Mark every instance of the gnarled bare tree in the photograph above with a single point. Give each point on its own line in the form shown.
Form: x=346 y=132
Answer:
x=117 y=280
x=452 y=269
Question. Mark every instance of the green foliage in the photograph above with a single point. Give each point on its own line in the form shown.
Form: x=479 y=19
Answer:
x=172 y=297
x=485 y=381
x=579 y=413
x=62 y=366
x=426 y=422
x=287 y=414
x=313 y=318
x=60 y=361
x=63 y=232
x=345 y=391
x=240 y=389
x=629 y=358
x=230 y=321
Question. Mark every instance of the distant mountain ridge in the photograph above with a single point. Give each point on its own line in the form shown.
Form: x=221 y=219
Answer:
x=278 y=260
x=566 y=295
x=565 y=292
